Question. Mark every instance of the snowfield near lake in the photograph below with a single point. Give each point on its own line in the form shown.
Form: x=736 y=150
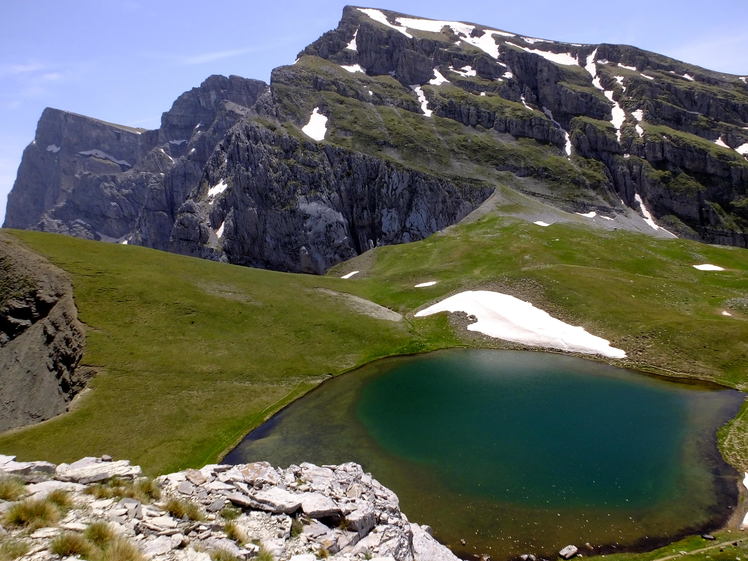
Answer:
x=505 y=317
x=316 y=128
x=708 y=267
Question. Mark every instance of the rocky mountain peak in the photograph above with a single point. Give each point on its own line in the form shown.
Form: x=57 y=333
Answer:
x=251 y=173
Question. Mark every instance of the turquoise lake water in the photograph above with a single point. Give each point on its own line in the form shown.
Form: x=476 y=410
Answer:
x=518 y=452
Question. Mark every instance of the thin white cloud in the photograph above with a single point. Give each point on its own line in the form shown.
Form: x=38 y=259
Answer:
x=723 y=52
x=203 y=58
x=51 y=76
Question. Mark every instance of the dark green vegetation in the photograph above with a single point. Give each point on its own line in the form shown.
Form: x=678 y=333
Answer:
x=192 y=354
x=494 y=446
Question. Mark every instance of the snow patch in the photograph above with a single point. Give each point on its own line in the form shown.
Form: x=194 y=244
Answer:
x=351 y=46
x=483 y=94
x=167 y=155
x=217 y=189
x=505 y=317
x=96 y=153
x=590 y=65
x=53 y=148
x=349 y=275
x=726 y=313
x=648 y=215
x=422 y=100
x=508 y=75
x=379 y=17
x=638 y=115
x=124 y=242
x=558 y=58
x=425 y=284
x=533 y=40
x=567 y=144
x=639 y=131
x=647 y=77
x=618 y=115
x=742 y=149
x=541 y=223
x=192 y=151
x=722 y=143
x=353 y=68
x=744 y=79
x=522 y=99
x=689 y=77
x=465 y=71
x=632 y=68
x=370 y=92
x=619 y=79
x=438 y=79
x=590 y=214
x=219 y=232
x=708 y=267
x=316 y=128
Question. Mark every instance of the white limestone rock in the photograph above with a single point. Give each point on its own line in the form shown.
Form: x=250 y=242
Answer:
x=92 y=470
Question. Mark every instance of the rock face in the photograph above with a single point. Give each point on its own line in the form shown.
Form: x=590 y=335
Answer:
x=41 y=339
x=300 y=513
x=423 y=120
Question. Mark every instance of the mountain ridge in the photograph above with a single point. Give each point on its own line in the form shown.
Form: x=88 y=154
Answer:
x=611 y=129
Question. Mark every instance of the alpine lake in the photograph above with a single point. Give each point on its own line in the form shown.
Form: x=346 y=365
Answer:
x=506 y=453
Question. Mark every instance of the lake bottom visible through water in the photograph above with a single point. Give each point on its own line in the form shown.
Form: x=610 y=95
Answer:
x=520 y=452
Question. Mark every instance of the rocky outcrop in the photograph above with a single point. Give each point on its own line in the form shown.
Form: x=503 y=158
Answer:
x=300 y=513
x=41 y=339
x=271 y=200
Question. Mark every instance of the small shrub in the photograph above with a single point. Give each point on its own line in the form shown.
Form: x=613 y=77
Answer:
x=61 y=499
x=323 y=553
x=120 y=550
x=230 y=513
x=264 y=555
x=222 y=555
x=180 y=508
x=32 y=514
x=12 y=549
x=145 y=490
x=11 y=488
x=297 y=526
x=235 y=533
x=71 y=543
x=100 y=534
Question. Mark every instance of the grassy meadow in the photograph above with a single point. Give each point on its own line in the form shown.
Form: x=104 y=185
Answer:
x=192 y=354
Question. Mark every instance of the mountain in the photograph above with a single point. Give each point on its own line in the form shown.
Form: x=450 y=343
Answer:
x=390 y=128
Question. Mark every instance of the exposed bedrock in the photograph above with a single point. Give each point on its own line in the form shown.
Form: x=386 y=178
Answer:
x=41 y=339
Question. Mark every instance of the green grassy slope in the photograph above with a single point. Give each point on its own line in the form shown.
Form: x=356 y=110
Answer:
x=194 y=353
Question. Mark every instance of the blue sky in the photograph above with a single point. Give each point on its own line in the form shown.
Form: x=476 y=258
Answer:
x=126 y=61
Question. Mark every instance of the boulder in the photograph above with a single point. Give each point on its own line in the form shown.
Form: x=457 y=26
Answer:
x=317 y=505
x=275 y=500
x=92 y=470
x=569 y=551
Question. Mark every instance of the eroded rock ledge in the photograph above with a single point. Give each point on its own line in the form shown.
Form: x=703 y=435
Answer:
x=299 y=513
x=41 y=339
